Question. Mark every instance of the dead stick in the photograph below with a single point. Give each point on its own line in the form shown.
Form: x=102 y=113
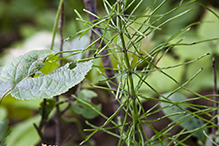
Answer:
x=90 y=5
x=215 y=112
x=57 y=116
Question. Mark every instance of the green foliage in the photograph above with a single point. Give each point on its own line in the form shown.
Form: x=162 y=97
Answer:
x=174 y=107
x=21 y=68
x=4 y=132
x=17 y=77
x=153 y=50
x=24 y=129
x=159 y=71
x=80 y=107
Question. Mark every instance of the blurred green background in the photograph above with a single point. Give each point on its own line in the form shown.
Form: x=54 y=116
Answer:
x=27 y=24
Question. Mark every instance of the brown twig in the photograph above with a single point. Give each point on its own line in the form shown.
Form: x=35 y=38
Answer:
x=40 y=133
x=69 y=99
x=57 y=123
x=90 y=5
x=42 y=122
x=90 y=41
x=44 y=117
x=215 y=112
x=57 y=116
x=60 y=32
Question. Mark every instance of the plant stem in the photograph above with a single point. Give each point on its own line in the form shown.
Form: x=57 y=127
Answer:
x=42 y=122
x=60 y=32
x=58 y=113
x=136 y=120
x=56 y=23
x=57 y=123
x=215 y=112
x=90 y=5
x=39 y=133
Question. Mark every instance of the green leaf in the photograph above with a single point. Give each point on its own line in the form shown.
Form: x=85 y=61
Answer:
x=50 y=64
x=86 y=94
x=52 y=84
x=4 y=132
x=186 y=120
x=23 y=66
x=17 y=77
x=24 y=133
x=20 y=68
x=81 y=108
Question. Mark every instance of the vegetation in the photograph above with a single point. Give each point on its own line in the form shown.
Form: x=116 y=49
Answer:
x=123 y=73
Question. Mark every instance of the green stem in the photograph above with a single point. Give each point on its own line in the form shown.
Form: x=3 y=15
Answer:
x=129 y=72
x=56 y=23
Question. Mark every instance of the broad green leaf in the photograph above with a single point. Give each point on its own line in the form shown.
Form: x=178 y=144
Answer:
x=86 y=94
x=17 y=77
x=186 y=120
x=20 y=68
x=23 y=66
x=24 y=133
x=53 y=84
x=4 y=87
x=4 y=132
x=83 y=109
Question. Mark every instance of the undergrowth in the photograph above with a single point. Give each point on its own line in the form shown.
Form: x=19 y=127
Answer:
x=124 y=60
